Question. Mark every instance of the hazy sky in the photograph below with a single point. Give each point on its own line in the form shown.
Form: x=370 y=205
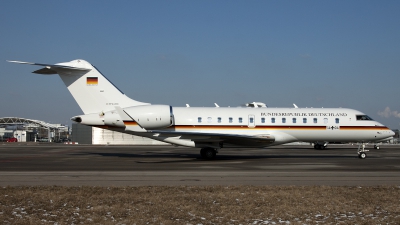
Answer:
x=311 y=53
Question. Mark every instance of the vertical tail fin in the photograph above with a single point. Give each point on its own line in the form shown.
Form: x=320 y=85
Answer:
x=93 y=92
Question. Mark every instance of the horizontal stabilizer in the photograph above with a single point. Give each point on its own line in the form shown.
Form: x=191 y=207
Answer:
x=52 y=68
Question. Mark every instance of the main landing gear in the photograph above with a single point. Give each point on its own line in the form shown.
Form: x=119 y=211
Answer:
x=320 y=146
x=208 y=153
x=362 y=152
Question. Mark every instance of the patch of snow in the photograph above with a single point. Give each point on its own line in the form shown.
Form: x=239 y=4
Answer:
x=284 y=221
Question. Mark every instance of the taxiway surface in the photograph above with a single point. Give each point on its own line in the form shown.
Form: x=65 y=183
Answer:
x=73 y=165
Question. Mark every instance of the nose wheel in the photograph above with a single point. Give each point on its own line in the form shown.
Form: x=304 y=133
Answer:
x=362 y=155
x=362 y=152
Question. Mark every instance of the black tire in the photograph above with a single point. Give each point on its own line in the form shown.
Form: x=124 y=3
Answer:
x=362 y=155
x=203 y=153
x=319 y=147
x=208 y=153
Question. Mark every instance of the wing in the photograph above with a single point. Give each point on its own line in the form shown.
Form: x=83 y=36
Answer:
x=221 y=139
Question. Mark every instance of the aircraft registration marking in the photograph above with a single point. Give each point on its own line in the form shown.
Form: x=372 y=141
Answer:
x=333 y=127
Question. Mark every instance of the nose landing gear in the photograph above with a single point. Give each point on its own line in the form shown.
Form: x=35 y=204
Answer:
x=362 y=152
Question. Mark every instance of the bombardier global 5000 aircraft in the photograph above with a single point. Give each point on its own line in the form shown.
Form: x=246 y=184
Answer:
x=209 y=128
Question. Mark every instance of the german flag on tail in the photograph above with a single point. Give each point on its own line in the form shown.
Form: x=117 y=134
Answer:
x=91 y=81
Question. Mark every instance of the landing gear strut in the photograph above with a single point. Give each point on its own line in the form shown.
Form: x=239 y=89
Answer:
x=362 y=152
x=208 y=153
x=320 y=146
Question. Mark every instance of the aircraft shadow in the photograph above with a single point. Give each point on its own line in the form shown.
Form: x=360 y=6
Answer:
x=187 y=157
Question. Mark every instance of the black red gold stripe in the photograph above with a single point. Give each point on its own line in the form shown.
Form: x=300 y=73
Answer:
x=130 y=123
x=364 y=128
x=92 y=80
x=244 y=127
x=235 y=127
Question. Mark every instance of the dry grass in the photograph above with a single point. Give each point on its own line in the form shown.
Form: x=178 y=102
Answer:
x=200 y=205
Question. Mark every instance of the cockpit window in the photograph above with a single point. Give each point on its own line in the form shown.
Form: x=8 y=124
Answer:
x=363 y=117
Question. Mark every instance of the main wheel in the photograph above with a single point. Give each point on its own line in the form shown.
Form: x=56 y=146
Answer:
x=203 y=153
x=208 y=153
x=319 y=147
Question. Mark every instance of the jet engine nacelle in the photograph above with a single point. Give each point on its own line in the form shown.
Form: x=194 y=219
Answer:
x=151 y=117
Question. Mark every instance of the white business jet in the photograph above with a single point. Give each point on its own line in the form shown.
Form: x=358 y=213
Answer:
x=210 y=128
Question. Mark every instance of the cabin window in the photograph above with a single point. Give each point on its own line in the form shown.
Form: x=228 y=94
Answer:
x=209 y=119
x=315 y=120
x=325 y=120
x=304 y=120
x=337 y=120
x=294 y=120
x=219 y=119
x=262 y=120
x=272 y=120
x=363 y=117
x=230 y=120
x=199 y=119
x=240 y=120
x=283 y=120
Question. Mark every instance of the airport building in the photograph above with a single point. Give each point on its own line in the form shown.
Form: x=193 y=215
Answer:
x=16 y=129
